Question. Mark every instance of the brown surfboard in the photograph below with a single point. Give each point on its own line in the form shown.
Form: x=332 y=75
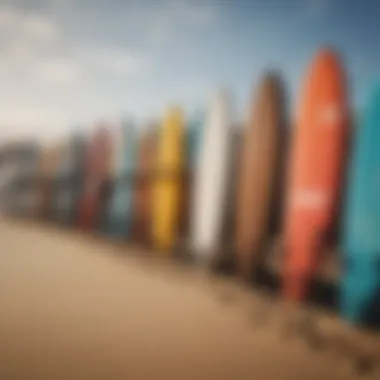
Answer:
x=49 y=159
x=97 y=170
x=142 y=195
x=257 y=192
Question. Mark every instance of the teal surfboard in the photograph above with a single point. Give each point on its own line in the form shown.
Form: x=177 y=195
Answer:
x=120 y=216
x=194 y=135
x=361 y=230
x=69 y=179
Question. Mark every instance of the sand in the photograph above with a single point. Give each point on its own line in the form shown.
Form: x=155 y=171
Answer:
x=74 y=307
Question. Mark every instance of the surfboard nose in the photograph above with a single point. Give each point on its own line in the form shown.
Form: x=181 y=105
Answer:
x=327 y=55
x=326 y=73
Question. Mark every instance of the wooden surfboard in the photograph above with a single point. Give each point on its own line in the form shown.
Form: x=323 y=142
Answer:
x=361 y=230
x=211 y=179
x=167 y=182
x=261 y=156
x=316 y=169
x=97 y=162
x=142 y=195
x=121 y=204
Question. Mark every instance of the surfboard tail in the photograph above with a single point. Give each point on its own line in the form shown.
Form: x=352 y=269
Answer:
x=248 y=253
x=296 y=287
x=360 y=290
x=245 y=264
x=115 y=227
x=300 y=268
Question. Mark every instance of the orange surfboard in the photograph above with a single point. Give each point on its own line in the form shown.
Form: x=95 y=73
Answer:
x=142 y=195
x=317 y=161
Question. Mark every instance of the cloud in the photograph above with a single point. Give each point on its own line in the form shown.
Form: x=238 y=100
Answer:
x=112 y=61
x=64 y=61
x=58 y=70
x=27 y=118
x=318 y=8
x=121 y=62
x=29 y=26
x=25 y=39
x=35 y=48
x=175 y=16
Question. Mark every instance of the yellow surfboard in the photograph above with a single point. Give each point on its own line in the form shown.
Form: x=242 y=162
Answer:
x=167 y=181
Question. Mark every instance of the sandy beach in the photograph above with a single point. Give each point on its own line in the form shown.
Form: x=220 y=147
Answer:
x=74 y=307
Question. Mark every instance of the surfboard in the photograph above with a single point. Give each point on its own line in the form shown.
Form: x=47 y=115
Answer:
x=43 y=186
x=108 y=183
x=261 y=154
x=70 y=178
x=48 y=163
x=107 y=187
x=61 y=195
x=96 y=169
x=77 y=174
x=8 y=170
x=192 y=141
x=317 y=166
x=211 y=179
x=360 y=289
x=143 y=194
x=167 y=182
x=121 y=204
x=224 y=259
x=23 y=190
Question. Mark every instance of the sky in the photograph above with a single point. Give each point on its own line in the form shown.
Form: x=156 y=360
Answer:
x=66 y=64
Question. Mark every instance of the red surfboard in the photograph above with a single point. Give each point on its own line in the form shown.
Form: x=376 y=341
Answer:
x=96 y=170
x=317 y=162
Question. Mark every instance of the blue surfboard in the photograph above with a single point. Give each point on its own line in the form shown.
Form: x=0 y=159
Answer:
x=120 y=214
x=361 y=228
x=194 y=135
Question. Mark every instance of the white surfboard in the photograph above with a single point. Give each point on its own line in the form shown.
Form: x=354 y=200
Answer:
x=210 y=190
